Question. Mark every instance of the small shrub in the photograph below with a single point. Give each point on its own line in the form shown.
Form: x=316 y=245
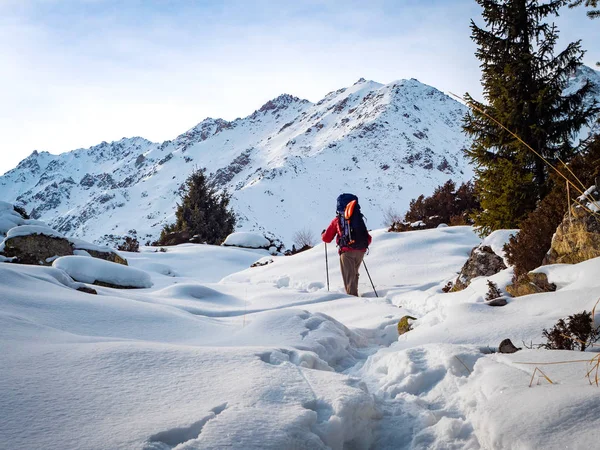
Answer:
x=129 y=244
x=448 y=287
x=304 y=238
x=527 y=249
x=446 y=205
x=21 y=211
x=391 y=217
x=576 y=333
x=493 y=291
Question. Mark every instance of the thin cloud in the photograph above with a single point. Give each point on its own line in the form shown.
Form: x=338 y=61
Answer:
x=79 y=72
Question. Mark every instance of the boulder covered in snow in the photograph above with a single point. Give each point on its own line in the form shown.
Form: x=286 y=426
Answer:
x=482 y=262
x=9 y=218
x=577 y=238
x=27 y=241
x=97 y=251
x=532 y=283
x=35 y=244
x=103 y=273
x=247 y=239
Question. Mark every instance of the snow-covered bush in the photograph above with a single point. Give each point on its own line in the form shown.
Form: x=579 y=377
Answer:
x=129 y=244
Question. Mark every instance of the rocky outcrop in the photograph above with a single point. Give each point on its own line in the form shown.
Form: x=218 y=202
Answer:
x=483 y=262
x=404 y=326
x=36 y=249
x=577 y=238
x=532 y=283
x=506 y=346
x=500 y=301
x=87 y=290
x=108 y=256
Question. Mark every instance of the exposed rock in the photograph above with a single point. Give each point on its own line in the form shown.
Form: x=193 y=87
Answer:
x=404 y=325
x=576 y=239
x=506 y=346
x=87 y=290
x=483 y=262
x=531 y=283
x=500 y=301
x=113 y=286
x=108 y=256
x=262 y=262
x=36 y=249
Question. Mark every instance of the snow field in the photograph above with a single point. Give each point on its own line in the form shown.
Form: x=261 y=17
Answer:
x=216 y=354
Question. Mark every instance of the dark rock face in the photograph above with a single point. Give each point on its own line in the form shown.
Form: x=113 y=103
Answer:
x=113 y=286
x=506 y=346
x=576 y=239
x=500 y=301
x=37 y=249
x=483 y=262
x=108 y=256
x=532 y=283
x=87 y=290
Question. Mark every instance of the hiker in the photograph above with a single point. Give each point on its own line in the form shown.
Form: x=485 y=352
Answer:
x=352 y=238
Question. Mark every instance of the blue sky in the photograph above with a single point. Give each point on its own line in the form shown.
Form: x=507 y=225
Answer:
x=75 y=73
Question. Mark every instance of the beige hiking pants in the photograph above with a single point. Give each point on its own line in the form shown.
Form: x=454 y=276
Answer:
x=350 y=263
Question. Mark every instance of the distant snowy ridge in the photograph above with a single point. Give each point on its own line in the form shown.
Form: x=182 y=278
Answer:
x=284 y=164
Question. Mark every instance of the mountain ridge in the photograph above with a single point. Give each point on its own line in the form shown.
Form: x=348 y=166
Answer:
x=284 y=164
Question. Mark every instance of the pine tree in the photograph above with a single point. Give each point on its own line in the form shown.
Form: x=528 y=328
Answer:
x=202 y=212
x=523 y=83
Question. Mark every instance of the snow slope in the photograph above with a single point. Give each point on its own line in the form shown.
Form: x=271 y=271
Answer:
x=219 y=355
x=284 y=165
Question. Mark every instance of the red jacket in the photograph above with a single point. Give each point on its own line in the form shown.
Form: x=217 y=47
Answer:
x=334 y=230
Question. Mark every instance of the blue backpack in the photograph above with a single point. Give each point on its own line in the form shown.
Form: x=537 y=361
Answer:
x=352 y=223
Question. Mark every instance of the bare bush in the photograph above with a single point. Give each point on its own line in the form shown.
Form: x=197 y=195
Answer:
x=391 y=217
x=304 y=238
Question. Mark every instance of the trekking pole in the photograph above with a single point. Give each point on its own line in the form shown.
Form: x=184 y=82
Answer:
x=369 y=275
x=327 y=266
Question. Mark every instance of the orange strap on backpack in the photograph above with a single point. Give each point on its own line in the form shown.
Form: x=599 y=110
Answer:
x=349 y=209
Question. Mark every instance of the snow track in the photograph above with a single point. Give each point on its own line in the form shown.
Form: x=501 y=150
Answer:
x=266 y=358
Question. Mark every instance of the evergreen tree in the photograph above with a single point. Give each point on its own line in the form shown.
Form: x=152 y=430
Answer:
x=523 y=83
x=202 y=212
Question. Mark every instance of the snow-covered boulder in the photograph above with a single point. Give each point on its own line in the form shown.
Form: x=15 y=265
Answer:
x=577 y=238
x=29 y=241
x=97 y=251
x=482 y=262
x=9 y=218
x=532 y=283
x=103 y=273
x=34 y=244
x=247 y=239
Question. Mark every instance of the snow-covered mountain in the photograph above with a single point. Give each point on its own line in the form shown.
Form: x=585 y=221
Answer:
x=284 y=164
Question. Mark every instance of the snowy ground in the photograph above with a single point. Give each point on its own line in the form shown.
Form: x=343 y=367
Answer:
x=219 y=355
